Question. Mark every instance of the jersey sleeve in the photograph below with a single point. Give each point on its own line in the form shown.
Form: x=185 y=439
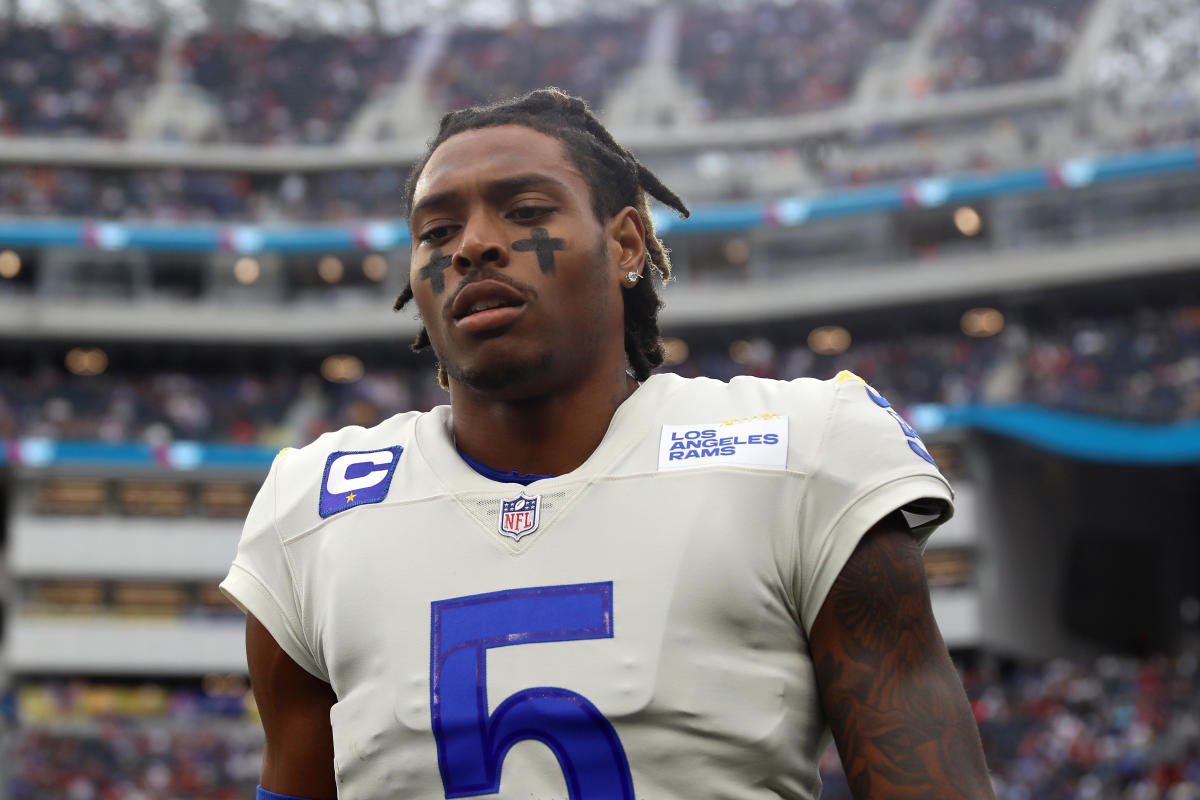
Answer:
x=260 y=580
x=868 y=463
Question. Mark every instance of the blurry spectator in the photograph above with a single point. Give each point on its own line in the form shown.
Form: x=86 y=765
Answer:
x=301 y=88
x=71 y=80
x=276 y=410
x=187 y=195
x=1085 y=729
x=766 y=58
x=1089 y=729
x=1145 y=366
x=82 y=742
x=771 y=59
x=1152 y=63
x=585 y=57
x=986 y=42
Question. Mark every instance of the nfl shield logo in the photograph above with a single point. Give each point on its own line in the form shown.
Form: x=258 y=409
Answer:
x=519 y=517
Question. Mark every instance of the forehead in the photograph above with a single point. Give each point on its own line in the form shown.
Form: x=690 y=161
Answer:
x=481 y=154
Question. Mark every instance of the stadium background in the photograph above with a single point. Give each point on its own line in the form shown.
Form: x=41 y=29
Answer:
x=986 y=208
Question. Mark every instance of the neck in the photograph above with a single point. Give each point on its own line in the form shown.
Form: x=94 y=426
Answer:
x=549 y=434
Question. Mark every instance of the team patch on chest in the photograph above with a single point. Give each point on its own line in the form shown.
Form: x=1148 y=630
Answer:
x=760 y=441
x=520 y=516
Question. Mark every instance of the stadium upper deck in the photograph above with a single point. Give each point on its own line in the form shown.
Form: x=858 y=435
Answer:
x=216 y=121
x=758 y=60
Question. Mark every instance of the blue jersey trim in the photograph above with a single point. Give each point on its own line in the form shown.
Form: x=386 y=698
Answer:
x=498 y=475
x=262 y=794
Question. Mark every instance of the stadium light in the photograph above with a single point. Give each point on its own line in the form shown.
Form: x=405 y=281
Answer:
x=675 y=351
x=968 y=221
x=246 y=270
x=982 y=322
x=737 y=251
x=375 y=267
x=829 y=340
x=342 y=369
x=86 y=361
x=10 y=264
x=330 y=269
x=741 y=351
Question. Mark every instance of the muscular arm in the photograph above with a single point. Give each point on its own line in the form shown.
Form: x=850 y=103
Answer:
x=893 y=699
x=294 y=706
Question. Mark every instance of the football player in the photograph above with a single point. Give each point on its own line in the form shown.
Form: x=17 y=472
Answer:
x=577 y=579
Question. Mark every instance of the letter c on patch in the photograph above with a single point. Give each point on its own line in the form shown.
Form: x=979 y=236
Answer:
x=338 y=481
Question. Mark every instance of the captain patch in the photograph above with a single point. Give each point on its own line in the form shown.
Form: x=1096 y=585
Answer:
x=760 y=441
x=356 y=478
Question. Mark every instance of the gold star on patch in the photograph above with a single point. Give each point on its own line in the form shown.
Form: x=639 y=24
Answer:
x=350 y=497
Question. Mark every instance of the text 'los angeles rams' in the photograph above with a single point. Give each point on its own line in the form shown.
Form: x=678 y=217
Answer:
x=706 y=443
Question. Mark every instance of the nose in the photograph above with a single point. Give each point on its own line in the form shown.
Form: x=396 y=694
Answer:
x=482 y=243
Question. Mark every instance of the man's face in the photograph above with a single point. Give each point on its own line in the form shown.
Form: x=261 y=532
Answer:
x=516 y=280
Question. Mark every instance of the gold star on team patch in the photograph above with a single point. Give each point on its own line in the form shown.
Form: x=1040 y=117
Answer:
x=350 y=497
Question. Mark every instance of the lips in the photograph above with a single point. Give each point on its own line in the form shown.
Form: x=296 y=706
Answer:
x=486 y=304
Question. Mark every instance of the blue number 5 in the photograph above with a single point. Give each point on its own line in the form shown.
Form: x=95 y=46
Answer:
x=471 y=744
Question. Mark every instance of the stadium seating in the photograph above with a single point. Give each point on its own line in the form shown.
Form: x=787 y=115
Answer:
x=300 y=88
x=586 y=57
x=1089 y=728
x=192 y=195
x=1108 y=727
x=773 y=59
x=988 y=42
x=1151 y=63
x=305 y=87
x=73 y=80
x=1141 y=366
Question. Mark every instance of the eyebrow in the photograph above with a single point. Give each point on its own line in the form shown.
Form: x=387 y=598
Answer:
x=499 y=187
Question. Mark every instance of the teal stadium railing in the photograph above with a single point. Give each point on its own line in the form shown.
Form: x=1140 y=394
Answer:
x=1072 y=435
x=384 y=235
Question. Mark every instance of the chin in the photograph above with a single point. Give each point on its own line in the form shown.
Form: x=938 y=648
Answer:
x=507 y=378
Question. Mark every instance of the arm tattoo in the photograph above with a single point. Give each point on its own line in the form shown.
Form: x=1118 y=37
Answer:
x=893 y=699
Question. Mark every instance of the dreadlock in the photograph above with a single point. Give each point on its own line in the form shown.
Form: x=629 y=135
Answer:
x=617 y=179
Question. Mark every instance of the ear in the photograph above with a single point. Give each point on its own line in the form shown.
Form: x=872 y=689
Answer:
x=627 y=241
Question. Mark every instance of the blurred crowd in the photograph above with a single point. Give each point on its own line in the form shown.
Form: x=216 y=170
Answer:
x=1153 y=61
x=1144 y=366
x=586 y=57
x=764 y=59
x=248 y=408
x=1111 y=728
x=987 y=42
x=302 y=88
x=175 y=195
x=1107 y=728
x=83 y=741
x=768 y=58
x=787 y=59
x=119 y=758
x=73 y=80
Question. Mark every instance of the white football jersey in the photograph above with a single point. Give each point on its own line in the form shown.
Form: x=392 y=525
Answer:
x=636 y=628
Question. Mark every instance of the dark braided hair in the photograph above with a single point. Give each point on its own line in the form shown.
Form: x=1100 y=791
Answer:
x=617 y=179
